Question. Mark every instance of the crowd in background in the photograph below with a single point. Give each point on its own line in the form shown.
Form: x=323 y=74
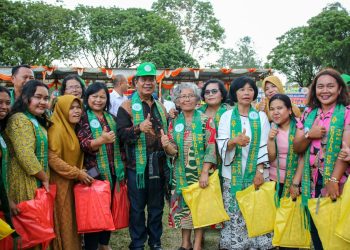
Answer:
x=89 y=134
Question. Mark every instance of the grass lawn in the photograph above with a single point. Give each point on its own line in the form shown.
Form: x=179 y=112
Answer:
x=171 y=239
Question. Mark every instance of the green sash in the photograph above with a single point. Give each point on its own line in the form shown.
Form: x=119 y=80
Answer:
x=291 y=164
x=141 y=148
x=222 y=109
x=4 y=161
x=198 y=146
x=238 y=180
x=334 y=141
x=41 y=144
x=102 y=157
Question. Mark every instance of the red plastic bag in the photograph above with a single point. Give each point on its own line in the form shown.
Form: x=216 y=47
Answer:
x=120 y=206
x=93 y=207
x=35 y=222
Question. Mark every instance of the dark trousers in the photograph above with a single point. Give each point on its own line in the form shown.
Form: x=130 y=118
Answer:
x=151 y=196
x=91 y=240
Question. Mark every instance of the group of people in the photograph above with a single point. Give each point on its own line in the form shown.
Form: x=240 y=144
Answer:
x=156 y=152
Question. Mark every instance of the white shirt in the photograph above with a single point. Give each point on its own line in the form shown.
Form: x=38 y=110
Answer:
x=116 y=100
x=169 y=105
x=224 y=134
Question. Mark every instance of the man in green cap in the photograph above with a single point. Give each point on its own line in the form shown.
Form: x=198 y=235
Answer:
x=141 y=120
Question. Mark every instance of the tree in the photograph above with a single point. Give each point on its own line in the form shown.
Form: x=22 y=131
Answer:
x=291 y=57
x=37 y=33
x=123 y=38
x=328 y=38
x=324 y=42
x=244 y=56
x=196 y=21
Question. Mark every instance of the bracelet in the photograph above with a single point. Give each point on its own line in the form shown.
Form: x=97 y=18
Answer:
x=333 y=179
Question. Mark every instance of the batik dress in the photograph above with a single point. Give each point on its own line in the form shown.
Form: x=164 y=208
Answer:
x=180 y=214
x=234 y=235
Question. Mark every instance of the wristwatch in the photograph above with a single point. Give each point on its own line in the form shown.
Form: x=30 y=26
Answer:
x=306 y=133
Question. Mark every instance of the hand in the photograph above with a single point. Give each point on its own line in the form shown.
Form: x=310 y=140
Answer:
x=173 y=113
x=332 y=190
x=204 y=179
x=107 y=137
x=13 y=208
x=262 y=105
x=273 y=132
x=344 y=153
x=242 y=140
x=317 y=132
x=146 y=126
x=46 y=185
x=164 y=139
x=258 y=180
x=294 y=192
x=84 y=178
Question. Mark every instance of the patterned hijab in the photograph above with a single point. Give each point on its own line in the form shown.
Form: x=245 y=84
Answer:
x=62 y=138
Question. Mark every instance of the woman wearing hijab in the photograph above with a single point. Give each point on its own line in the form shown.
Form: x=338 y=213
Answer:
x=66 y=163
x=272 y=85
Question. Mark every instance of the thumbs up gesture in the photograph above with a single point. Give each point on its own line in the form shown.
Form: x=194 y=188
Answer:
x=242 y=139
x=262 y=105
x=146 y=125
x=344 y=153
x=164 y=139
x=107 y=137
x=273 y=132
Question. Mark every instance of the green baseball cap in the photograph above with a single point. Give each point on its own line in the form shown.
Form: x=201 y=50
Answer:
x=346 y=78
x=146 y=69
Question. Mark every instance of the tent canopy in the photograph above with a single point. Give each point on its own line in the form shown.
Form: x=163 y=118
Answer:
x=164 y=75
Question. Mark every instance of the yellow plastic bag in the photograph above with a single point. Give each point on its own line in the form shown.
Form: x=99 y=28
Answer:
x=258 y=208
x=342 y=229
x=289 y=230
x=325 y=214
x=206 y=204
x=5 y=229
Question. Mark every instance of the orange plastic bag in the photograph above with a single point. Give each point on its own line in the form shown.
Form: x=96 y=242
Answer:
x=258 y=208
x=120 y=206
x=93 y=207
x=325 y=214
x=342 y=229
x=289 y=230
x=206 y=204
x=35 y=222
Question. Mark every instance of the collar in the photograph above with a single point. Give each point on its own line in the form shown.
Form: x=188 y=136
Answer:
x=117 y=94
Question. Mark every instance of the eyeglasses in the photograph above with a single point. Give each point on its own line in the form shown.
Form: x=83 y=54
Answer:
x=211 y=91
x=186 y=96
x=73 y=87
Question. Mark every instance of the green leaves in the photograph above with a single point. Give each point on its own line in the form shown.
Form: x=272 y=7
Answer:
x=325 y=42
x=196 y=22
x=37 y=33
x=123 y=38
x=244 y=56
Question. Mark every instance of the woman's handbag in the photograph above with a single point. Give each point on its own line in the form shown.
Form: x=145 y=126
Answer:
x=120 y=206
x=93 y=207
x=206 y=204
x=258 y=208
x=289 y=230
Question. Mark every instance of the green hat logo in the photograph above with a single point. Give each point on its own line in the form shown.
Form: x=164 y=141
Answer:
x=146 y=69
